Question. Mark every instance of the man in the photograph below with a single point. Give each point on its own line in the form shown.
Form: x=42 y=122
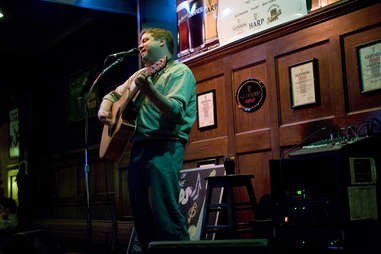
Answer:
x=165 y=116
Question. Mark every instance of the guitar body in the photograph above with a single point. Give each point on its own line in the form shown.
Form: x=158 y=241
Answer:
x=116 y=136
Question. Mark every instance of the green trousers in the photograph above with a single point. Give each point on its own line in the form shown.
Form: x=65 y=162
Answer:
x=154 y=191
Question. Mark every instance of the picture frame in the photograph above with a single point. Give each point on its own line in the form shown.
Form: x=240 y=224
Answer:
x=14 y=134
x=304 y=84
x=369 y=64
x=207 y=163
x=77 y=86
x=206 y=110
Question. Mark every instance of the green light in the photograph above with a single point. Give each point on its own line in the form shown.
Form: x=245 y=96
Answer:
x=1 y=15
x=295 y=208
x=299 y=192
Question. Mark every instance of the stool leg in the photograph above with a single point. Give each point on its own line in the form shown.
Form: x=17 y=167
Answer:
x=252 y=197
x=229 y=196
x=205 y=212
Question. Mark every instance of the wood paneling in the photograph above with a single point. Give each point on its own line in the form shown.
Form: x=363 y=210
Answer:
x=217 y=84
x=259 y=119
x=210 y=142
x=208 y=70
x=356 y=100
x=66 y=182
x=289 y=115
x=255 y=140
x=206 y=148
x=77 y=230
x=257 y=164
x=329 y=36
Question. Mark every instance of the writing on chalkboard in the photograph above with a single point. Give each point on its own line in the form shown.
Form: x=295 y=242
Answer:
x=192 y=196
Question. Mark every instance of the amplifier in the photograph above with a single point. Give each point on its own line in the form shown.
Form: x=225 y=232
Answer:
x=329 y=188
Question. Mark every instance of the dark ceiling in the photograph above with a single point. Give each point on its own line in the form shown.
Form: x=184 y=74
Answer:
x=41 y=38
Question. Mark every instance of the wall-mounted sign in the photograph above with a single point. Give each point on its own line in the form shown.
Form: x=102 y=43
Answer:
x=304 y=84
x=206 y=110
x=369 y=56
x=240 y=18
x=204 y=25
x=251 y=95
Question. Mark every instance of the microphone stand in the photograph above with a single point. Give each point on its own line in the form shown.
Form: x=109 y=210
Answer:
x=87 y=167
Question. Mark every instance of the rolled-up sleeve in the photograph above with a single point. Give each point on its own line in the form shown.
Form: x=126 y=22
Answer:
x=180 y=87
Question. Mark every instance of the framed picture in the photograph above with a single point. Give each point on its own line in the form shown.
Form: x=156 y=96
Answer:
x=207 y=163
x=14 y=134
x=304 y=84
x=206 y=110
x=369 y=58
x=78 y=85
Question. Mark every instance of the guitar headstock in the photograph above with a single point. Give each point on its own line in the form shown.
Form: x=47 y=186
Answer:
x=158 y=66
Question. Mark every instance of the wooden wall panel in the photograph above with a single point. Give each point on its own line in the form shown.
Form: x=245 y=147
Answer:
x=210 y=142
x=245 y=121
x=356 y=100
x=208 y=70
x=66 y=182
x=251 y=129
x=248 y=57
x=256 y=140
x=206 y=149
x=102 y=180
x=289 y=115
x=217 y=84
x=257 y=164
x=252 y=138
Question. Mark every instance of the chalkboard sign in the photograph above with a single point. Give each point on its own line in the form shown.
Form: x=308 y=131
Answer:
x=191 y=201
x=192 y=196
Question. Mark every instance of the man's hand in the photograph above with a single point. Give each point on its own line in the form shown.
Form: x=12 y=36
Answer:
x=143 y=82
x=104 y=113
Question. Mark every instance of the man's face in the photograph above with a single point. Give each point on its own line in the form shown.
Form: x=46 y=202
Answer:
x=150 y=49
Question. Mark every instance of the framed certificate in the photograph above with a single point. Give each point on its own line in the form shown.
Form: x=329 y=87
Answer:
x=14 y=134
x=304 y=84
x=369 y=58
x=206 y=110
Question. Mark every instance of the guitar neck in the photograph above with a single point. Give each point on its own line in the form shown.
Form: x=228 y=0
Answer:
x=156 y=67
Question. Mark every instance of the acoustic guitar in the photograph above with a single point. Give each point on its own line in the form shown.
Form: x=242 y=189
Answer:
x=116 y=136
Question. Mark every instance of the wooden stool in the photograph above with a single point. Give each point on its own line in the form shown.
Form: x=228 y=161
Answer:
x=228 y=182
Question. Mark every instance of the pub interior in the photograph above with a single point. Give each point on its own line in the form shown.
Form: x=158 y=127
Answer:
x=288 y=113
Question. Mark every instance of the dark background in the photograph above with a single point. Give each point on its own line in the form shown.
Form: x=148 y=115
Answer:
x=43 y=47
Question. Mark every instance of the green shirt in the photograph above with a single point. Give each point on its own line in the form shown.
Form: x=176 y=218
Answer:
x=178 y=84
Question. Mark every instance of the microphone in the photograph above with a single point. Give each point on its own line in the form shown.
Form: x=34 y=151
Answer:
x=133 y=51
